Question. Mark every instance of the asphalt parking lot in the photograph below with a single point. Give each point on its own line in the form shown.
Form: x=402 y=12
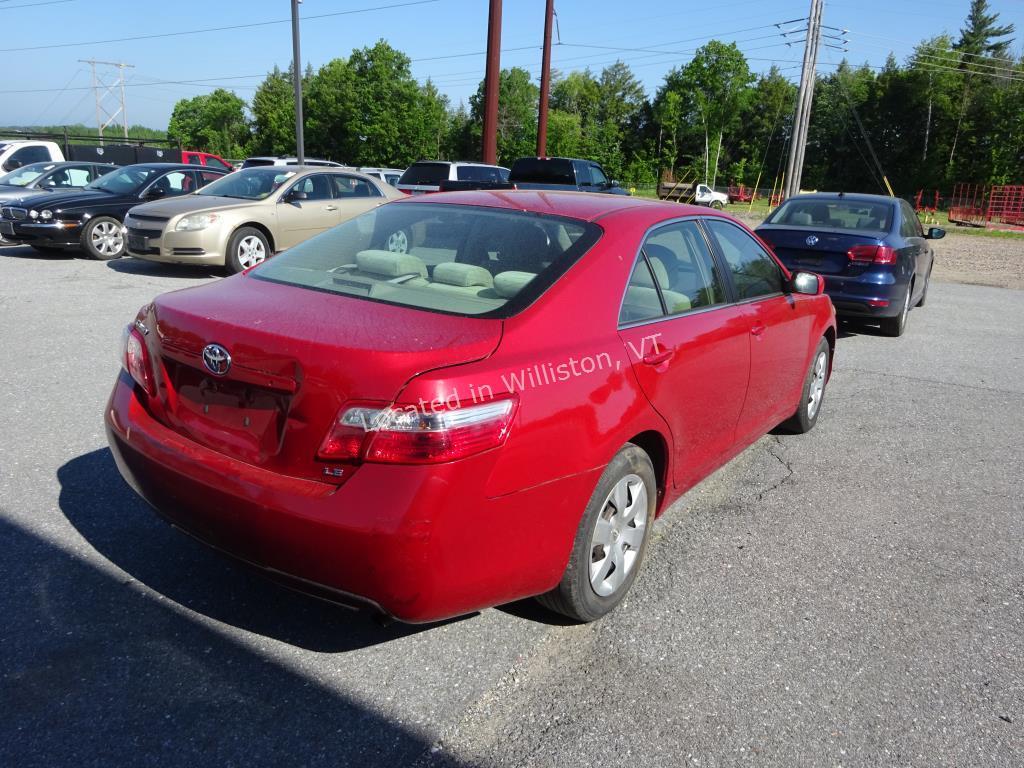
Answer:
x=854 y=596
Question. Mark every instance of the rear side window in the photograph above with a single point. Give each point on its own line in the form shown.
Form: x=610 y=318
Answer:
x=754 y=272
x=425 y=174
x=213 y=162
x=194 y=160
x=350 y=186
x=478 y=173
x=690 y=269
x=456 y=259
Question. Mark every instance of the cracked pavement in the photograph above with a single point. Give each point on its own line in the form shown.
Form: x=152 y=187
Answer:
x=854 y=596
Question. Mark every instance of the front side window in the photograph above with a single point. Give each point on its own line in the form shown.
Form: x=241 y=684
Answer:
x=315 y=187
x=597 y=177
x=27 y=155
x=194 y=160
x=214 y=162
x=174 y=183
x=911 y=225
x=754 y=272
x=67 y=178
x=456 y=259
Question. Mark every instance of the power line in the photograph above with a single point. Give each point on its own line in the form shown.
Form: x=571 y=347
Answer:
x=218 y=29
x=33 y=5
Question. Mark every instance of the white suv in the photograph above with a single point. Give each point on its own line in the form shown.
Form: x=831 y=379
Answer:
x=427 y=175
x=252 y=162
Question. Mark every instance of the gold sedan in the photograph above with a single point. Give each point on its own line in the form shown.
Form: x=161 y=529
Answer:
x=240 y=219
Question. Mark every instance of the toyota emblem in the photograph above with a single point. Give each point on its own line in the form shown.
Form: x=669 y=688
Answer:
x=812 y=240
x=216 y=359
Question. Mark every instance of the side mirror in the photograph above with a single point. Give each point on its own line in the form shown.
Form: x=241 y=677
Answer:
x=155 y=193
x=807 y=283
x=296 y=194
x=613 y=183
x=935 y=233
x=12 y=164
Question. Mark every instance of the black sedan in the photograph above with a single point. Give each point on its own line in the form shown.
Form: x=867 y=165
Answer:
x=92 y=218
x=34 y=178
x=871 y=250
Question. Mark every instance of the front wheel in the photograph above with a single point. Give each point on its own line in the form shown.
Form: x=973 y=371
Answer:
x=717 y=205
x=813 y=393
x=102 y=239
x=610 y=541
x=246 y=248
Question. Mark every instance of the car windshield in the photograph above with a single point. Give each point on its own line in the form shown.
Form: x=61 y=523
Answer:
x=425 y=173
x=126 y=180
x=25 y=175
x=836 y=214
x=248 y=183
x=455 y=259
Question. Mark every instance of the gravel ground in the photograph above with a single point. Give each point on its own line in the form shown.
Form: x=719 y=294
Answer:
x=854 y=596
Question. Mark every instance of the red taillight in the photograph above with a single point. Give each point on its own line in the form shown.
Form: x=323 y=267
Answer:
x=872 y=254
x=136 y=360
x=410 y=435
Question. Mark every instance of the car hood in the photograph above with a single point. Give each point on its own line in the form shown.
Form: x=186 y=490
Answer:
x=177 y=206
x=71 y=200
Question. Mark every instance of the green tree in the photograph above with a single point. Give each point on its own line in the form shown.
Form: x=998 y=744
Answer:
x=983 y=35
x=517 y=114
x=213 y=122
x=273 y=111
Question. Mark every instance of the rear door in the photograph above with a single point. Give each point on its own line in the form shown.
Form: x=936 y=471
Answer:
x=915 y=244
x=299 y=220
x=353 y=196
x=688 y=346
x=778 y=328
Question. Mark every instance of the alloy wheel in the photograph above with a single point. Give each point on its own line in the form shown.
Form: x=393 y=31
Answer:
x=251 y=251
x=618 y=535
x=398 y=242
x=106 y=238
x=817 y=388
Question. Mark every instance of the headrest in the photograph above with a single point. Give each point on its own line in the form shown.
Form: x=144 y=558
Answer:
x=462 y=275
x=508 y=284
x=801 y=219
x=388 y=264
x=643 y=278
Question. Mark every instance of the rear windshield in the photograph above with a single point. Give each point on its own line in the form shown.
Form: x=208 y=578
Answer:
x=838 y=214
x=425 y=173
x=543 y=171
x=455 y=259
x=255 y=162
x=480 y=173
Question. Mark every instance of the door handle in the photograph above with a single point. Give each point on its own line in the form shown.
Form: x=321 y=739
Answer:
x=657 y=358
x=331 y=208
x=758 y=328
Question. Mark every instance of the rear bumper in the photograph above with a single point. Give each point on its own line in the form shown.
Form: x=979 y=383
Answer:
x=864 y=296
x=421 y=543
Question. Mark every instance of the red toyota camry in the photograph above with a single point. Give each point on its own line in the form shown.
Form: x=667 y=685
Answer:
x=464 y=399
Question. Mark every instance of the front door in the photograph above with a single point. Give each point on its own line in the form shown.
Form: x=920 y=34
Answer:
x=688 y=346
x=299 y=220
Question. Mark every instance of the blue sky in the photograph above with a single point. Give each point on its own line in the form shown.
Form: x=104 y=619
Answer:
x=443 y=37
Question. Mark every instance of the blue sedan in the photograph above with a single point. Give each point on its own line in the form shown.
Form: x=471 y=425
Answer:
x=871 y=250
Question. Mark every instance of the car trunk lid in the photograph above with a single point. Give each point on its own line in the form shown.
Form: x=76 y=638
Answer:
x=822 y=251
x=296 y=356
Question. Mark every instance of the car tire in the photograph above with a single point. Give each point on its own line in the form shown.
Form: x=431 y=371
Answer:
x=247 y=247
x=399 y=241
x=717 y=205
x=609 y=546
x=924 y=293
x=895 y=326
x=102 y=239
x=813 y=392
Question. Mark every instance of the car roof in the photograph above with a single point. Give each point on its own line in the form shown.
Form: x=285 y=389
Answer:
x=856 y=196
x=586 y=206
x=171 y=167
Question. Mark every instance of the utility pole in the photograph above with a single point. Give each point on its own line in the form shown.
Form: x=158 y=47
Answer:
x=545 y=82
x=103 y=88
x=491 y=83
x=300 y=143
x=805 y=97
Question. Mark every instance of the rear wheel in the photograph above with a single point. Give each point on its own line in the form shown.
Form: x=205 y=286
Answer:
x=813 y=393
x=102 y=239
x=246 y=248
x=610 y=541
x=895 y=326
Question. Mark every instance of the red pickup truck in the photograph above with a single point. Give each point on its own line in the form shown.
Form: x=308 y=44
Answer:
x=193 y=157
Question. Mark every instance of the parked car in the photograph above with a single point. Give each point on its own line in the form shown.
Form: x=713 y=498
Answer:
x=426 y=175
x=241 y=219
x=871 y=250
x=255 y=162
x=705 y=195
x=193 y=157
x=500 y=412
x=389 y=175
x=91 y=218
x=562 y=173
x=50 y=177
x=14 y=153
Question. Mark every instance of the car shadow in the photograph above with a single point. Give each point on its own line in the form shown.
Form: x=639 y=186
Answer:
x=849 y=329
x=27 y=252
x=98 y=671
x=126 y=265
x=128 y=533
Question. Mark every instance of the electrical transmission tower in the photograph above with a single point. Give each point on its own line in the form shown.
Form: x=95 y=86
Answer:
x=108 y=92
